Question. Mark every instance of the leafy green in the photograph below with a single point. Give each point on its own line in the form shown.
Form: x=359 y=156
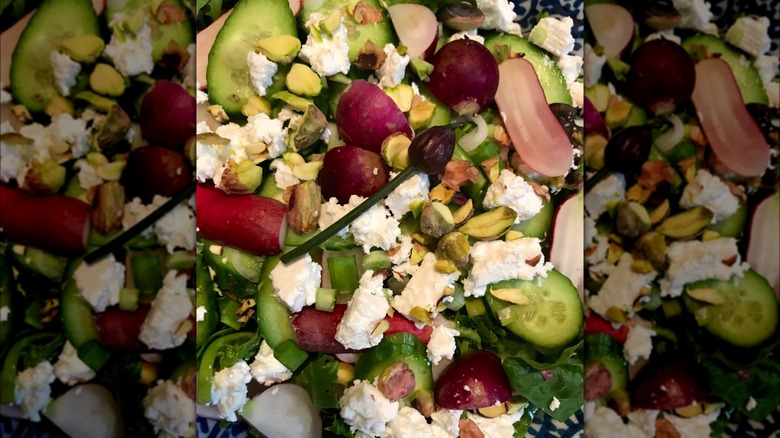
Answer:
x=521 y=426
x=485 y=333
x=318 y=378
x=759 y=380
x=340 y=428
x=565 y=383
x=564 y=354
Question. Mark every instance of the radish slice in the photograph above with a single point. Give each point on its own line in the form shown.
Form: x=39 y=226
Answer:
x=612 y=25
x=89 y=401
x=567 y=240
x=732 y=133
x=764 y=246
x=204 y=41
x=284 y=411
x=535 y=131
x=417 y=28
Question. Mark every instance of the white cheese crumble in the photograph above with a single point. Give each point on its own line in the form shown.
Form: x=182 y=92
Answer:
x=296 y=284
x=693 y=427
x=553 y=35
x=594 y=63
x=644 y=419
x=5 y=311
x=607 y=423
x=70 y=369
x=621 y=289
x=750 y=35
x=11 y=159
x=88 y=176
x=5 y=97
x=266 y=369
x=364 y=408
x=695 y=14
x=498 y=427
x=441 y=344
x=425 y=288
x=696 y=260
x=170 y=410
x=709 y=191
x=375 y=228
x=514 y=192
x=228 y=391
x=571 y=66
x=610 y=189
x=170 y=308
x=177 y=228
x=577 y=91
x=99 y=284
x=261 y=71
x=365 y=310
x=499 y=260
x=472 y=34
x=130 y=53
x=639 y=344
x=416 y=188
x=751 y=404
x=330 y=55
x=554 y=403
x=448 y=419
x=261 y=128
x=393 y=69
x=32 y=391
x=409 y=423
x=65 y=71
x=135 y=210
x=499 y=15
x=767 y=67
x=200 y=313
x=283 y=174
x=331 y=211
x=188 y=73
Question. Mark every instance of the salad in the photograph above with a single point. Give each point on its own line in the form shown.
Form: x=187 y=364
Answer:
x=681 y=225
x=445 y=304
x=96 y=295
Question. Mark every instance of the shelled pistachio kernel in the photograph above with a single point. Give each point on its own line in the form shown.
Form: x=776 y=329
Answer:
x=707 y=295
x=331 y=22
x=256 y=105
x=308 y=171
x=441 y=194
x=282 y=49
x=303 y=81
x=395 y=151
x=111 y=171
x=218 y=112
x=436 y=219
x=421 y=114
x=106 y=80
x=59 y=105
x=454 y=247
x=490 y=225
x=83 y=48
x=464 y=212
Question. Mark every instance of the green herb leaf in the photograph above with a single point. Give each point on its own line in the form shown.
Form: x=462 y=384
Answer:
x=565 y=383
x=318 y=378
x=736 y=387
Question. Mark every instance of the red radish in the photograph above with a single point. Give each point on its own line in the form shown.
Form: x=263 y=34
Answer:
x=400 y=323
x=567 y=246
x=465 y=76
x=473 y=381
x=152 y=170
x=250 y=222
x=417 y=28
x=350 y=170
x=594 y=123
x=167 y=115
x=118 y=330
x=204 y=41
x=764 y=247
x=597 y=324
x=731 y=132
x=667 y=383
x=54 y=223
x=612 y=25
x=538 y=137
x=366 y=116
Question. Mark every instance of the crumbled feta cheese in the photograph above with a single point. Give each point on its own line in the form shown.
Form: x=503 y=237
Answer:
x=228 y=391
x=296 y=284
x=330 y=55
x=773 y=91
x=709 y=191
x=208 y=162
x=571 y=66
x=750 y=35
x=135 y=210
x=375 y=228
x=664 y=35
x=577 y=91
x=696 y=260
x=266 y=369
x=88 y=176
x=332 y=211
x=499 y=260
x=393 y=69
x=767 y=67
x=594 y=63
x=201 y=96
x=514 y=192
x=470 y=34
x=200 y=313
x=170 y=308
x=188 y=72
x=4 y=312
x=694 y=427
x=751 y=404
x=553 y=35
x=607 y=423
x=596 y=245
x=130 y=54
x=364 y=408
x=170 y=410
x=70 y=369
x=5 y=97
x=283 y=174
x=695 y=14
x=416 y=188
x=365 y=310
x=611 y=188
x=448 y=419
x=498 y=427
x=261 y=128
x=65 y=71
x=177 y=228
x=261 y=71
x=499 y=15
x=622 y=288
x=202 y=127
x=32 y=391
x=441 y=344
x=99 y=283
x=644 y=419
x=403 y=253
x=554 y=403
x=409 y=423
x=11 y=159
x=425 y=288
x=72 y=131
x=639 y=344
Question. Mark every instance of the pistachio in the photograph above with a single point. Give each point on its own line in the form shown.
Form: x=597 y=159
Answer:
x=256 y=105
x=617 y=315
x=493 y=411
x=660 y=16
x=445 y=266
x=613 y=253
x=637 y=193
x=191 y=151
x=380 y=328
x=310 y=129
x=218 y=112
x=212 y=139
x=107 y=207
x=148 y=373
x=594 y=151
x=282 y=49
x=96 y=159
x=364 y=13
x=331 y=22
x=461 y=16
x=98 y=101
x=707 y=295
x=421 y=114
x=686 y=225
x=44 y=177
x=463 y=213
x=421 y=315
x=293 y=159
x=441 y=194
x=395 y=150
x=113 y=129
x=397 y=380
x=423 y=402
x=294 y=101
x=651 y=247
x=436 y=219
x=690 y=410
x=15 y=139
x=402 y=95
x=513 y=235
x=418 y=252
x=370 y=57
x=106 y=80
x=59 y=105
x=641 y=266
x=423 y=239
x=345 y=374
x=416 y=206
x=303 y=81
x=660 y=212
x=21 y=113
x=490 y=225
x=59 y=147
x=304 y=206
x=82 y=48
x=632 y=219
x=617 y=113
x=111 y=171
x=241 y=177
x=308 y=171
x=514 y=296
x=709 y=235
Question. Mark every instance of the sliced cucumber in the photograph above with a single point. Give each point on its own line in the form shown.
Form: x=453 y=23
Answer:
x=540 y=225
x=733 y=225
x=553 y=316
x=32 y=79
x=228 y=75
x=749 y=314
x=179 y=32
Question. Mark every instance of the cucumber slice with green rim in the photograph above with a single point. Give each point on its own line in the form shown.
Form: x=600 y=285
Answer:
x=540 y=225
x=746 y=318
x=32 y=79
x=550 y=76
x=551 y=319
x=733 y=225
x=228 y=74
x=179 y=32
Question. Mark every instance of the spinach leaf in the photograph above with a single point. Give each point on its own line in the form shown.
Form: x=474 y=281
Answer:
x=340 y=428
x=318 y=378
x=521 y=426
x=759 y=380
x=565 y=383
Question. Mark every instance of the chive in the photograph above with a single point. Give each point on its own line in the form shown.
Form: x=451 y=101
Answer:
x=136 y=229
x=349 y=217
x=180 y=260
x=475 y=307
x=376 y=260
x=227 y=313
x=92 y=354
x=325 y=299
x=290 y=355
x=343 y=273
x=146 y=272
x=128 y=299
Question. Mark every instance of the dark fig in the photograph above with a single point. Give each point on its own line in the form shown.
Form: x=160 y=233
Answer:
x=432 y=149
